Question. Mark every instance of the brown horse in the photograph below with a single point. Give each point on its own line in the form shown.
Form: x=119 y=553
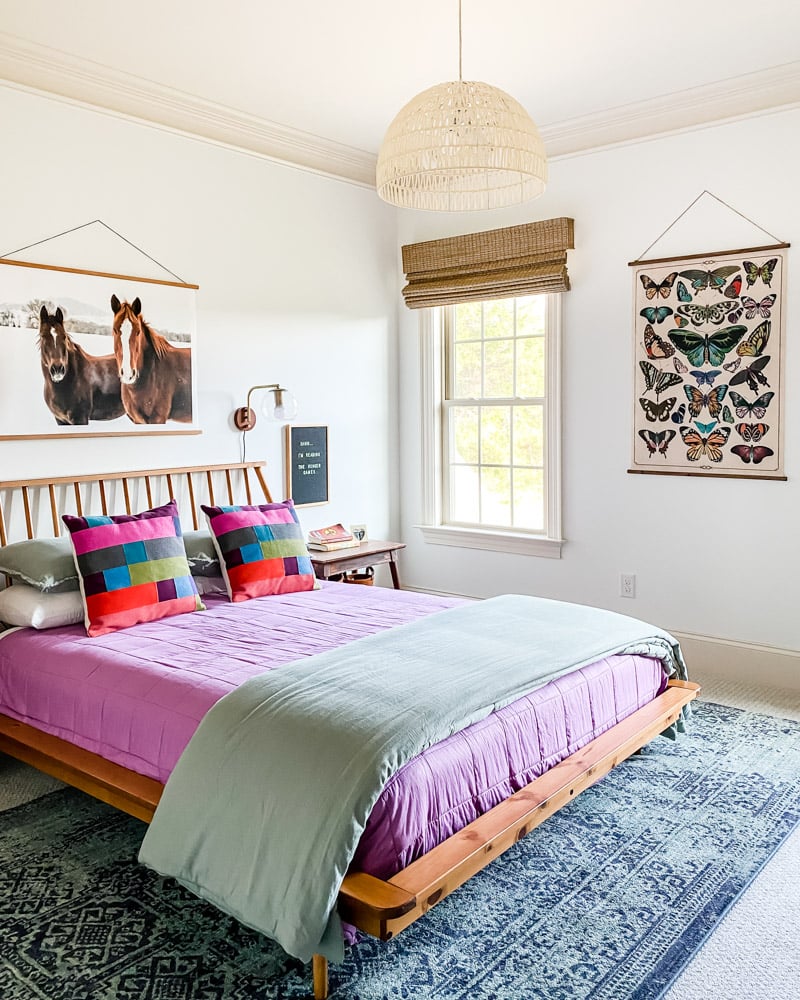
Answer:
x=77 y=386
x=155 y=377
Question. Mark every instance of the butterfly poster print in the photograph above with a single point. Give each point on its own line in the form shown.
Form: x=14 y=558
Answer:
x=708 y=364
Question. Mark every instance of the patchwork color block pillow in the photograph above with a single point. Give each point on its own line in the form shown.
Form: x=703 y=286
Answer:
x=261 y=549
x=132 y=568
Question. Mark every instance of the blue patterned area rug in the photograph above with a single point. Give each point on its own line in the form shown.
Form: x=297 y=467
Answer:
x=608 y=900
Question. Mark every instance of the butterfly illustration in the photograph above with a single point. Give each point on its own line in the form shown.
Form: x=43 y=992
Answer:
x=683 y=293
x=753 y=272
x=653 y=288
x=753 y=374
x=711 y=347
x=699 y=445
x=655 y=314
x=712 y=399
x=762 y=308
x=750 y=452
x=734 y=314
x=657 y=411
x=657 y=441
x=731 y=366
x=705 y=378
x=756 y=342
x=656 y=346
x=679 y=414
x=680 y=367
x=727 y=416
x=754 y=453
x=714 y=313
x=705 y=428
x=657 y=380
x=715 y=280
x=734 y=288
x=752 y=432
x=680 y=322
x=755 y=409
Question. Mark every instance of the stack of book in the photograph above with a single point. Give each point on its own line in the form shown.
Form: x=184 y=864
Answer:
x=335 y=536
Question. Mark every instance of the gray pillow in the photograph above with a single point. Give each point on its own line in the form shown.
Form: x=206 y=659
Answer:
x=201 y=554
x=43 y=563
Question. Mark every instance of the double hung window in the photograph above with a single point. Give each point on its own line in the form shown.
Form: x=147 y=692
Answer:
x=490 y=307
x=494 y=414
x=496 y=421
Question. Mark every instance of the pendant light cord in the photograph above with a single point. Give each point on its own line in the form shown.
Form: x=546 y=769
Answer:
x=460 y=77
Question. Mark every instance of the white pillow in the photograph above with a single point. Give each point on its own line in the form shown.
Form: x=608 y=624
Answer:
x=24 y=605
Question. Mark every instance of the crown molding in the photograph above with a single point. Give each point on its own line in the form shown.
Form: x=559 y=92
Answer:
x=777 y=88
x=30 y=66
x=38 y=68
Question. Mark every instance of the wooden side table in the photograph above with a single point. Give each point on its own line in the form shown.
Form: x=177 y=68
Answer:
x=371 y=553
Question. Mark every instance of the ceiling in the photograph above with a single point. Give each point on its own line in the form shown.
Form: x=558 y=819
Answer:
x=329 y=77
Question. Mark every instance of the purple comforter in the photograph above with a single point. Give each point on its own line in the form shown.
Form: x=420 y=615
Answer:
x=136 y=697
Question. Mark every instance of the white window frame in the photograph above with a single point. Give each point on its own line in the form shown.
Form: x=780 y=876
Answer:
x=432 y=369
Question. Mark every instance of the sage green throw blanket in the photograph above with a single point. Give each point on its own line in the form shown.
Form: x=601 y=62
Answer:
x=264 y=809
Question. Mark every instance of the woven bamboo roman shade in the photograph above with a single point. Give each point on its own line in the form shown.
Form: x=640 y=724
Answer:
x=519 y=260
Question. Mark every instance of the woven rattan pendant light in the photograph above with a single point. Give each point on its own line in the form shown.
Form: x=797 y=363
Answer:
x=460 y=147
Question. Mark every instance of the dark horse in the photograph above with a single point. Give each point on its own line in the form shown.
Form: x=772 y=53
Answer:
x=77 y=386
x=155 y=377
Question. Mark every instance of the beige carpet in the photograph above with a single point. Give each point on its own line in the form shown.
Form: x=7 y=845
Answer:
x=752 y=955
x=19 y=783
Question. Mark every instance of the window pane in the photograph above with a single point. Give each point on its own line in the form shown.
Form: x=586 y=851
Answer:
x=496 y=496
x=464 y=502
x=498 y=318
x=467 y=374
x=530 y=367
x=529 y=499
x=468 y=321
x=495 y=422
x=464 y=434
x=531 y=315
x=498 y=360
x=528 y=435
x=496 y=435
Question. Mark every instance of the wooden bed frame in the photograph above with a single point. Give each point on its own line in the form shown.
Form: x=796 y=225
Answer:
x=378 y=907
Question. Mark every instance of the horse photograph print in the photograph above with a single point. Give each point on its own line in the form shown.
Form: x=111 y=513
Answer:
x=155 y=378
x=77 y=386
x=82 y=356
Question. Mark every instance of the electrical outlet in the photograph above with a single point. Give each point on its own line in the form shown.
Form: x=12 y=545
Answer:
x=627 y=585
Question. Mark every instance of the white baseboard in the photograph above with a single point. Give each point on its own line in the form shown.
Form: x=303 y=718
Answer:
x=746 y=662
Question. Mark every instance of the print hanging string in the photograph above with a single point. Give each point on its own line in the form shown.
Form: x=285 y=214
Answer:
x=95 y=222
x=702 y=194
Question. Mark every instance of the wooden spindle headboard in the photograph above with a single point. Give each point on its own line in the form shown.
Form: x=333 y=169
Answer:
x=124 y=493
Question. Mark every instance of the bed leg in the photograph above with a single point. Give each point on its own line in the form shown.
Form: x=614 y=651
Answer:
x=319 y=965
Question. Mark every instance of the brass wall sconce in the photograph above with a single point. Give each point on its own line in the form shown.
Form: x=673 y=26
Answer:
x=281 y=407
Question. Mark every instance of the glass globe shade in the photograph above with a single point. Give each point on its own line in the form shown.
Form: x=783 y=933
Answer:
x=279 y=405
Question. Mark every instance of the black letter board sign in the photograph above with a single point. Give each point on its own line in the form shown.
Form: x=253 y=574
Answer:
x=307 y=465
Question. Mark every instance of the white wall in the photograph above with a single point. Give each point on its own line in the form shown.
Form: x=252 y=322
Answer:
x=713 y=557
x=297 y=277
